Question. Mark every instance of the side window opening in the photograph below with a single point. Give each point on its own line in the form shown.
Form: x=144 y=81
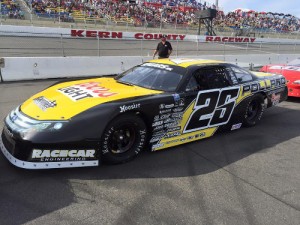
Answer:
x=242 y=75
x=208 y=78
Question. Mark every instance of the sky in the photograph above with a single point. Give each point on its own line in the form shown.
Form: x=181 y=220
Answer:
x=280 y=6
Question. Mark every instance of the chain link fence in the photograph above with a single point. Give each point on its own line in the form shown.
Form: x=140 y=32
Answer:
x=15 y=46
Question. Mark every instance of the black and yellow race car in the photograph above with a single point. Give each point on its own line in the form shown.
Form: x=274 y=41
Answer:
x=156 y=105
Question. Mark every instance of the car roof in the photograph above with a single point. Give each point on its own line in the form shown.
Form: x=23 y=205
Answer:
x=185 y=62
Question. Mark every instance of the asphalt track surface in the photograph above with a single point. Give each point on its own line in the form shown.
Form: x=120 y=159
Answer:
x=248 y=176
x=31 y=47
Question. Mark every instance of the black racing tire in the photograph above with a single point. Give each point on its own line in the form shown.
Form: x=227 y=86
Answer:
x=123 y=139
x=254 y=110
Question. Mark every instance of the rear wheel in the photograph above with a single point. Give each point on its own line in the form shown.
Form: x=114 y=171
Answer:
x=123 y=139
x=254 y=110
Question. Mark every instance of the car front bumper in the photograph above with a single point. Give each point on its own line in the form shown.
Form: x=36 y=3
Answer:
x=12 y=158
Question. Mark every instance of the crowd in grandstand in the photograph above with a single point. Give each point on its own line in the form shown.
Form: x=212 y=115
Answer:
x=11 y=9
x=258 y=20
x=151 y=13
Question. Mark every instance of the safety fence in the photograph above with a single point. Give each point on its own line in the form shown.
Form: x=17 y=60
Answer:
x=38 y=42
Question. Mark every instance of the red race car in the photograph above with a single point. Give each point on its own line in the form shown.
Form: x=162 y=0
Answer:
x=291 y=71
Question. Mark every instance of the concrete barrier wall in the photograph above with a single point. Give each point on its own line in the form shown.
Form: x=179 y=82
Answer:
x=31 y=68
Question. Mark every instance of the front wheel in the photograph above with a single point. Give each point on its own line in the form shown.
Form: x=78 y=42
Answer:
x=254 y=110
x=123 y=139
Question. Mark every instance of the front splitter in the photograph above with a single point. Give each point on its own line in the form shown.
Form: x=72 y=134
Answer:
x=44 y=165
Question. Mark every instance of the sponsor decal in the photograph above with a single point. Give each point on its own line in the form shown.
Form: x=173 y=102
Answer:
x=120 y=35
x=156 y=139
x=159 y=133
x=254 y=87
x=156 y=118
x=172 y=135
x=158 y=145
x=158 y=128
x=174 y=129
x=263 y=85
x=157 y=123
x=176 y=97
x=62 y=155
x=159 y=66
x=275 y=99
x=171 y=120
x=165 y=116
x=85 y=90
x=212 y=108
x=229 y=39
x=179 y=109
x=181 y=102
x=178 y=61
x=177 y=115
x=188 y=138
x=166 y=106
x=236 y=126
x=14 y=118
x=165 y=111
x=125 y=108
x=44 y=103
x=169 y=125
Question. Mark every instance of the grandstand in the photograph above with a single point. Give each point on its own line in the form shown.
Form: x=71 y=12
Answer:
x=148 y=13
x=11 y=9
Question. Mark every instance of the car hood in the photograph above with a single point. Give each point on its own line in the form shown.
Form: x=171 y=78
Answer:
x=65 y=100
x=290 y=72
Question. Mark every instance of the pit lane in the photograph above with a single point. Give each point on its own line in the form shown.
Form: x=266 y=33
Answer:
x=248 y=176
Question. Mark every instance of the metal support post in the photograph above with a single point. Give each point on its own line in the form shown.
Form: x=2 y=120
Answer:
x=177 y=49
x=98 y=45
x=62 y=45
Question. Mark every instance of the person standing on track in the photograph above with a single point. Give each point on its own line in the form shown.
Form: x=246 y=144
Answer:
x=164 y=48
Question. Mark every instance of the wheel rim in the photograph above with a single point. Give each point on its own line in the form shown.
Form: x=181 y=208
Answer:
x=253 y=110
x=122 y=139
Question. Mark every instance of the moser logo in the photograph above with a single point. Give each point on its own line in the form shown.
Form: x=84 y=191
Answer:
x=120 y=35
x=125 y=108
x=44 y=103
x=62 y=155
x=229 y=39
x=85 y=90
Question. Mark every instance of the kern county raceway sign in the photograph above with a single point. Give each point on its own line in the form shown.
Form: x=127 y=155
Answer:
x=154 y=36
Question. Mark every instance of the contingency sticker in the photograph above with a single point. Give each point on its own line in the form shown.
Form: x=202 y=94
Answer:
x=85 y=90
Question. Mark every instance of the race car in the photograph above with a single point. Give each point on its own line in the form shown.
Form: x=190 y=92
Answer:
x=291 y=72
x=155 y=105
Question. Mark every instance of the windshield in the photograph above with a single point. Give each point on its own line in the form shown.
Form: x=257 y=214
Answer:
x=153 y=76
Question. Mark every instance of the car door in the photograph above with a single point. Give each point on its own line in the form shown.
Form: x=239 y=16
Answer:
x=213 y=98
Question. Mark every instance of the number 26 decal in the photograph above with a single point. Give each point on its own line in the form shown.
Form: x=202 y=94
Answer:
x=212 y=108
